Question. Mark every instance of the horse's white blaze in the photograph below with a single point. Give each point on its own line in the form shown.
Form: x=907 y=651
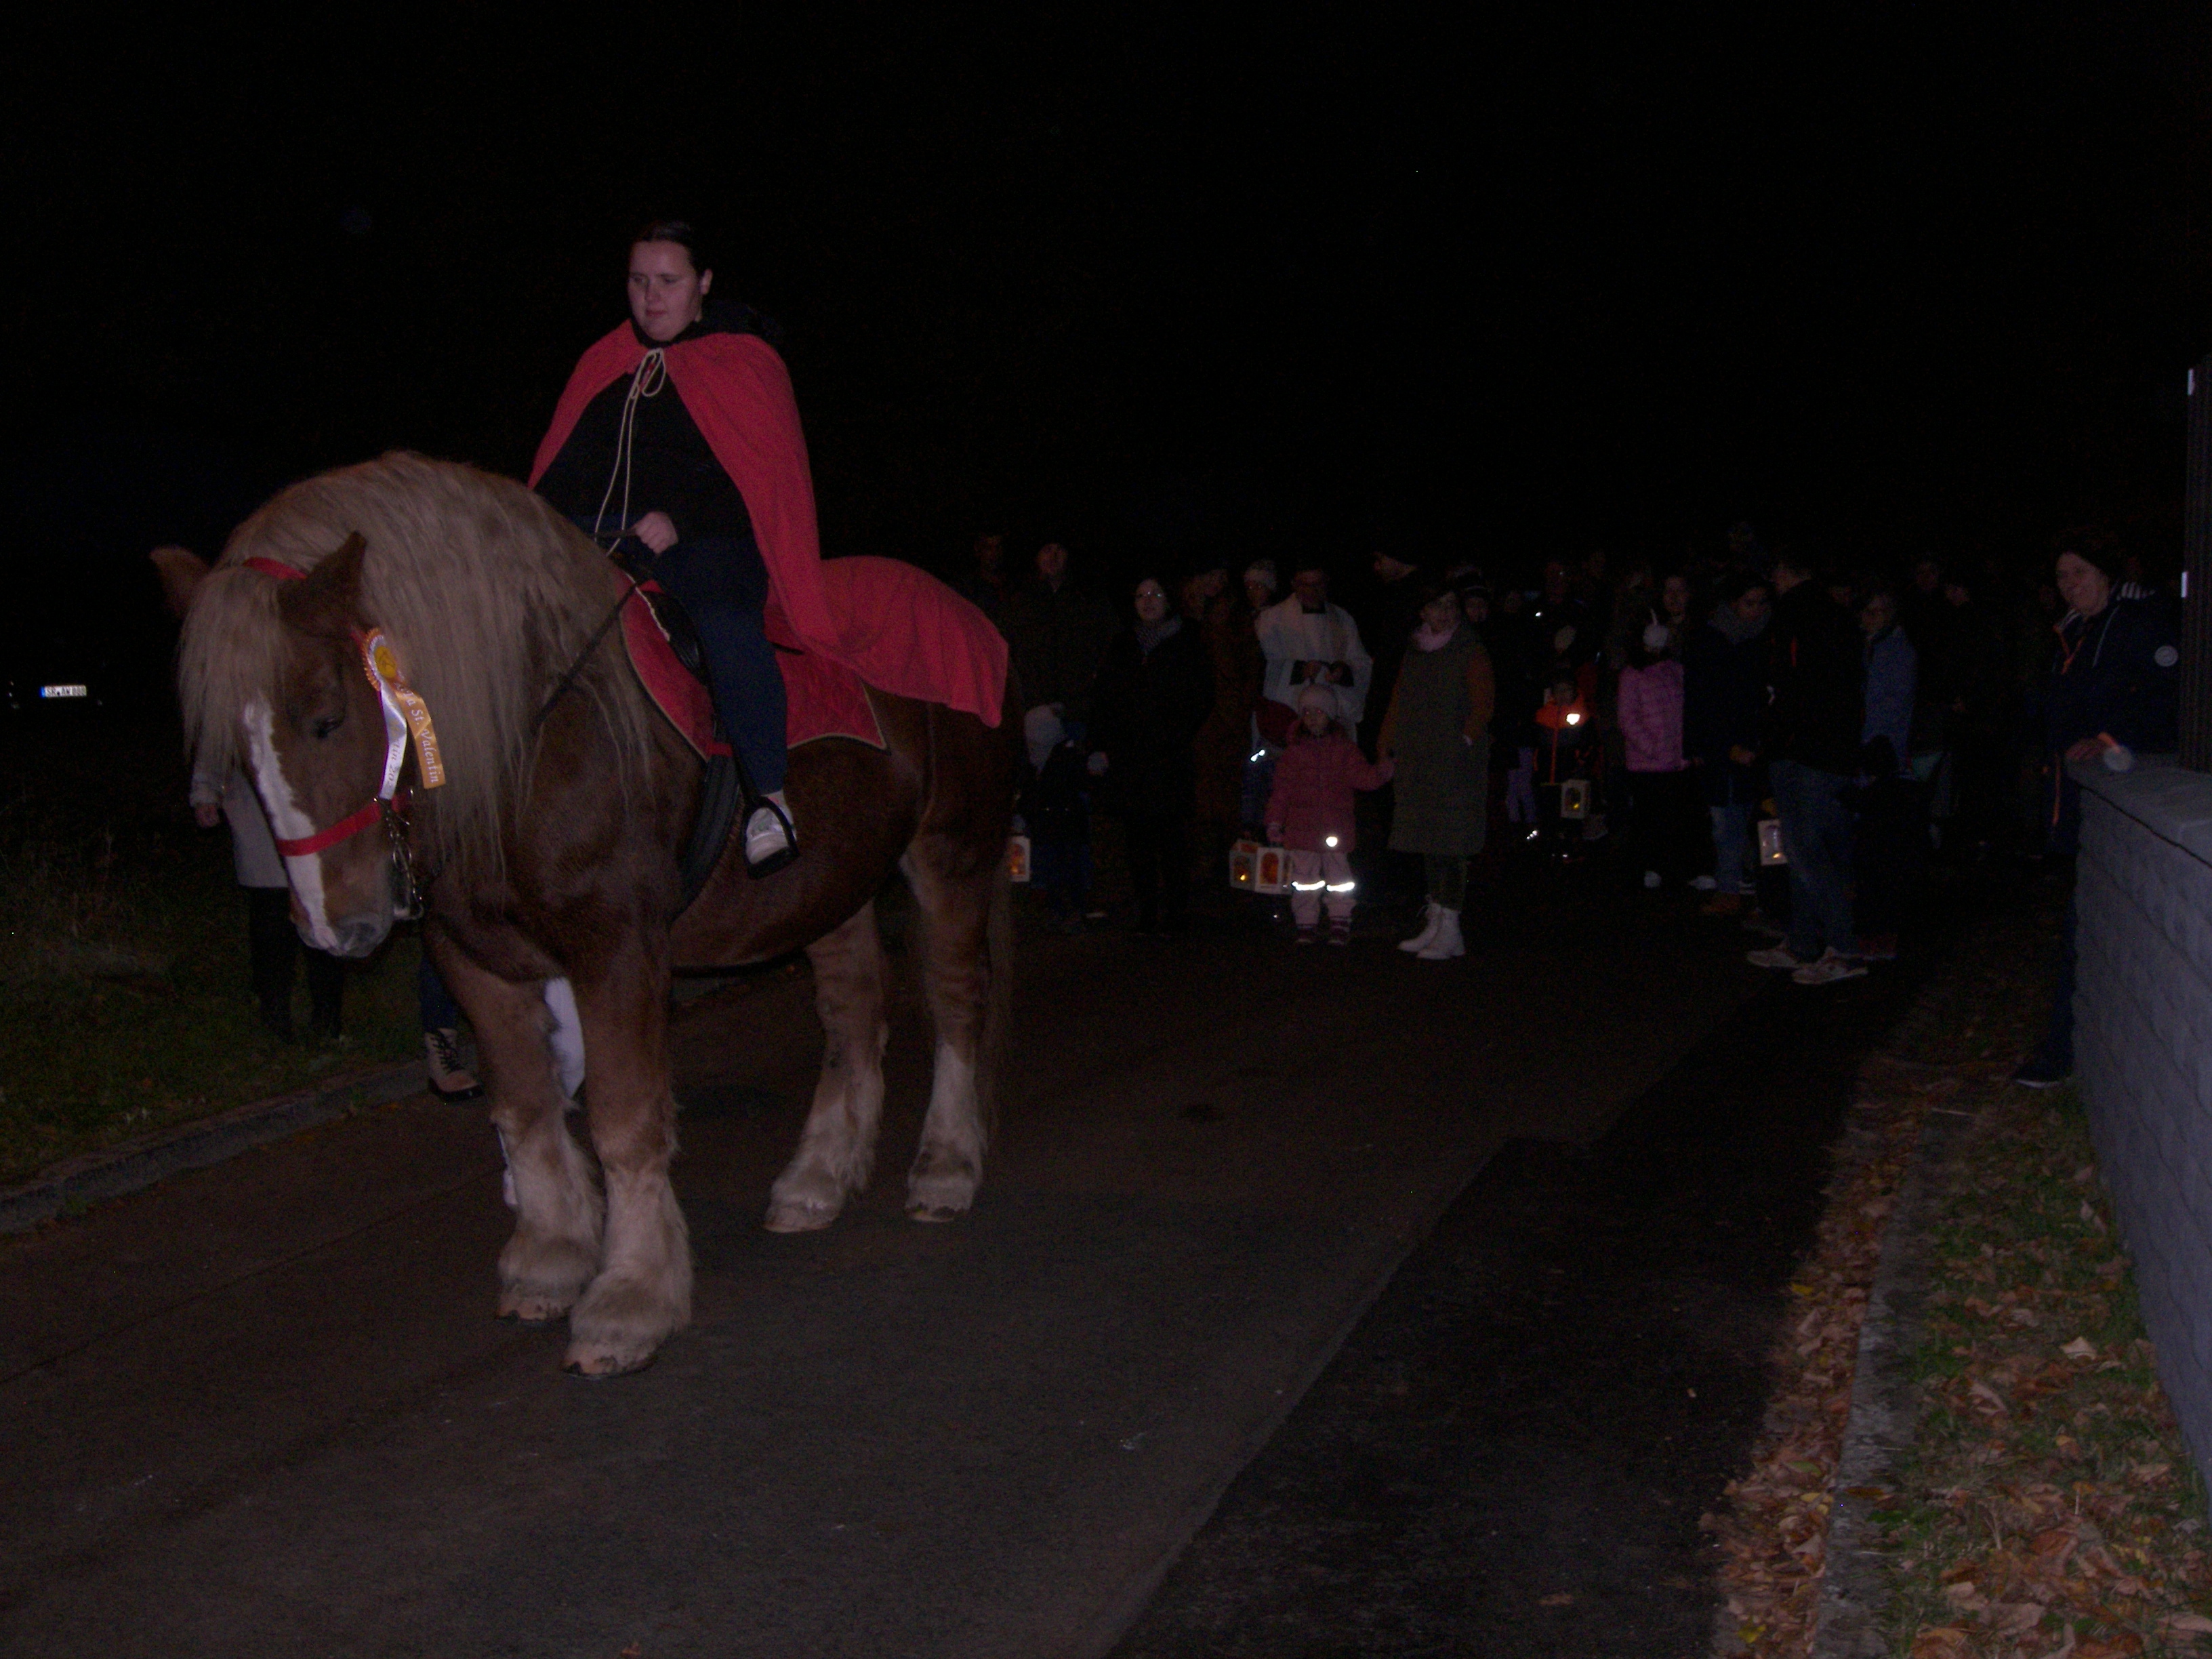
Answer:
x=305 y=870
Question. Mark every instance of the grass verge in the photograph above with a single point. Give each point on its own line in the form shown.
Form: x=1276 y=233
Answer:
x=2047 y=1505
x=125 y=1006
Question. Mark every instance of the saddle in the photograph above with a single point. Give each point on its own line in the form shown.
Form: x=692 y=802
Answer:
x=822 y=699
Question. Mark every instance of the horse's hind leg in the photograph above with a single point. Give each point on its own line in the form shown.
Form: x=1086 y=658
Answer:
x=554 y=1251
x=957 y=898
x=642 y=1294
x=837 y=1149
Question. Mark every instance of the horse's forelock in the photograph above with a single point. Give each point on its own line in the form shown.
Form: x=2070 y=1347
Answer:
x=231 y=654
x=486 y=595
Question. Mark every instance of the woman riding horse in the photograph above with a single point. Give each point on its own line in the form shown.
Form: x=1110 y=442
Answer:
x=713 y=481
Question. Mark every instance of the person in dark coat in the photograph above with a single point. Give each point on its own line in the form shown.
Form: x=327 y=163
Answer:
x=1154 y=693
x=1437 y=730
x=1815 y=707
x=2113 y=695
x=1058 y=631
x=1723 y=698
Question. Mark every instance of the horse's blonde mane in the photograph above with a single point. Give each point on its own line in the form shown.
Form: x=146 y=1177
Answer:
x=485 y=593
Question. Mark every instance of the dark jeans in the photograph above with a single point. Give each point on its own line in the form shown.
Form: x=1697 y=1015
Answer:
x=1891 y=854
x=2057 y=1049
x=721 y=584
x=273 y=946
x=1665 y=826
x=439 y=1011
x=1062 y=870
x=1159 y=870
x=1816 y=838
x=1447 y=881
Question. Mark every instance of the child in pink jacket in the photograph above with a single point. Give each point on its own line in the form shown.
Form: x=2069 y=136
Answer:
x=1661 y=803
x=1310 y=813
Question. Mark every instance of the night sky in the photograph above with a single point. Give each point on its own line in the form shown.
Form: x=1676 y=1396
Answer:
x=1879 y=278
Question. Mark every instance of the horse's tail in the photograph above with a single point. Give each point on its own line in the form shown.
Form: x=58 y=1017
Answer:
x=997 y=997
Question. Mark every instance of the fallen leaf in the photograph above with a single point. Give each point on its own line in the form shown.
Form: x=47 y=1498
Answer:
x=1989 y=1397
x=2015 y=1617
x=1560 y=1600
x=2189 y=1624
x=1939 y=1642
x=2080 y=1348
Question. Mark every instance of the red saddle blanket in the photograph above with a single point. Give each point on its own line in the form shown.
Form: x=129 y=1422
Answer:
x=947 y=651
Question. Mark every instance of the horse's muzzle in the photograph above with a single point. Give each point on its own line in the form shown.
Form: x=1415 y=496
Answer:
x=354 y=939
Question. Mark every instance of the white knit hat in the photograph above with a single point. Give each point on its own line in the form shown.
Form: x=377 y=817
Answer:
x=1317 y=695
x=1042 y=733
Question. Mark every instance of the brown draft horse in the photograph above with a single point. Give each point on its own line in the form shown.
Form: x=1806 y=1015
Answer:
x=551 y=852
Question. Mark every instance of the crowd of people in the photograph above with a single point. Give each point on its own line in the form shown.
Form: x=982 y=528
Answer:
x=1793 y=743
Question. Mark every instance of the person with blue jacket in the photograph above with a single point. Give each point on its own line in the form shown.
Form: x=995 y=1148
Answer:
x=2113 y=695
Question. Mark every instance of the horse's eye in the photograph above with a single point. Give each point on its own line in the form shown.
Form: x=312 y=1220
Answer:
x=329 y=723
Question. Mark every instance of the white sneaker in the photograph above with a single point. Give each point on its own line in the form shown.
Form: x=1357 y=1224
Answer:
x=1447 y=943
x=771 y=840
x=1828 y=969
x=1779 y=957
x=1429 y=924
x=1704 y=883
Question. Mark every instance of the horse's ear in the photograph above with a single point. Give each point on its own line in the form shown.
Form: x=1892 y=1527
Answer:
x=181 y=575
x=330 y=596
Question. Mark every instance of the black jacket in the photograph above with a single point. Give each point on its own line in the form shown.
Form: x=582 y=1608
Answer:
x=2117 y=672
x=1724 y=703
x=1149 y=708
x=1058 y=637
x=1815 y=679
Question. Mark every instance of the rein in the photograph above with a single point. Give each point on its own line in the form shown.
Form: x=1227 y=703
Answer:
x=568 y=677
x=402 y=714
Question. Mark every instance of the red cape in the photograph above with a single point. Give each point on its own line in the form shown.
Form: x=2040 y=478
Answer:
x=738 y=393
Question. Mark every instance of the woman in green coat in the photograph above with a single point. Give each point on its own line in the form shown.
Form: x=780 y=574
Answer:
x=1439 y=731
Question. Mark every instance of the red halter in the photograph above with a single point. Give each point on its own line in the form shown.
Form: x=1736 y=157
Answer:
x=354 y=823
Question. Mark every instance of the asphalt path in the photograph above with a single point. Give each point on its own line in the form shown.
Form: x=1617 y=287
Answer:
x=263 y=1408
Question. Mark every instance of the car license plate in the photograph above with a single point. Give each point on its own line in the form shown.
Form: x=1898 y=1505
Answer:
x=65 y=691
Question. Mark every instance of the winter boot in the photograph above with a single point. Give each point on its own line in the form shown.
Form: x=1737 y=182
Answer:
x=1339 y=930
x=1309 y=934
x=449 y=1079
x=326 y=995
x=1431 y=919
x=1447 y=943
x=275 y=945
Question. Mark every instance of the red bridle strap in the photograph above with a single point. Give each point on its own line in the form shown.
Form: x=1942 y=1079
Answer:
x=281 y=571
x=304 y=845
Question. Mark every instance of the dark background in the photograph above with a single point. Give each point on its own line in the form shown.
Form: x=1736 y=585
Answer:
x=1879 y=278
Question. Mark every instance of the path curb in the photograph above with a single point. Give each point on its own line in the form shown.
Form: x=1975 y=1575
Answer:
x=141 y=1163
x=1885 y=1403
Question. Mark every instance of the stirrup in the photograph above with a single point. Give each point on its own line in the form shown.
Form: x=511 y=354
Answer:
x=767 y=863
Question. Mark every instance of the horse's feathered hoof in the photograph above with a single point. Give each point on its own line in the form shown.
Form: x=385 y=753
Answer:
x=784 y=1216
x=598 y=1364
x=532 y=1311
x=935 y=1212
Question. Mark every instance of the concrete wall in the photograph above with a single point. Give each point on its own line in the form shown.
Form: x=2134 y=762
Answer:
x=2143 y=1011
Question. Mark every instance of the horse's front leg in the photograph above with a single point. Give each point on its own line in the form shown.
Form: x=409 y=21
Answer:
x=554 y=1251
x=837 y=1149
x=642 y=1295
